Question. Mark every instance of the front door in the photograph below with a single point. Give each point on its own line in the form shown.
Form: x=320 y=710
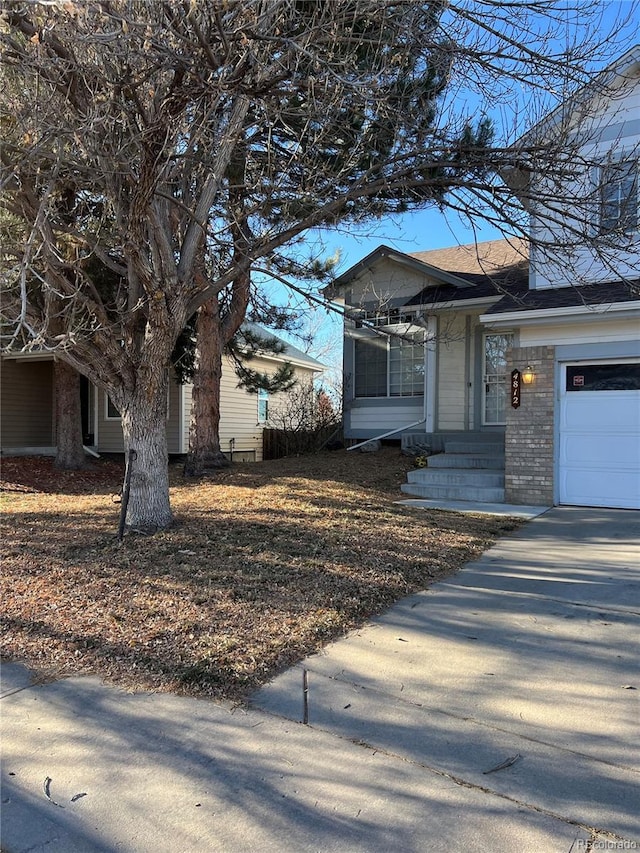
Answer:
x=496 y=385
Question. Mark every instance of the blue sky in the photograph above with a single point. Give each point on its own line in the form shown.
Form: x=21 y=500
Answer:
x=432 y=229
x=412 y=232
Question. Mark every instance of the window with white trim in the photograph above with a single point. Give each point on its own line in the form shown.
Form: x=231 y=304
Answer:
x=263 y=405
x=386 y=317
x=389 y=366
x=619 y=197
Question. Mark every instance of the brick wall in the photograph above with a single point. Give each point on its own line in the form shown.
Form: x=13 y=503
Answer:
x=529 y=431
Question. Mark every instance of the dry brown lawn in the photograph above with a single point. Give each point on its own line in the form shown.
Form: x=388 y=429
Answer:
x=265 y=564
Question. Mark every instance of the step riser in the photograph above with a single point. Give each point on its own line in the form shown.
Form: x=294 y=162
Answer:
x=466 y=460
x=475 y=447
x=448 y=477
x=454 y=493
x=468 y=470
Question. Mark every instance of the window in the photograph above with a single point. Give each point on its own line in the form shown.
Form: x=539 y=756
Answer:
x=604 y=377
x=619 y=197
x=263 y=405
x=389 y=367
x=112 y=413
x=388 y=317
x=495 y=378
x=371 y=367
x=406 y=367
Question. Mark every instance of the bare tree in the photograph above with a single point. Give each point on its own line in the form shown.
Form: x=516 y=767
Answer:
x=305 y=419
x=319 y=334
x=148 y=135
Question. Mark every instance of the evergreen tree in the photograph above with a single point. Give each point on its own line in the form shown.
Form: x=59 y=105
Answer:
x=182 y=143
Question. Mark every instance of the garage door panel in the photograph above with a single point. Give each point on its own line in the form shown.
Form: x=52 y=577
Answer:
x=579 y=450
x=599 y=442
x=600 y=411
x=600 y=487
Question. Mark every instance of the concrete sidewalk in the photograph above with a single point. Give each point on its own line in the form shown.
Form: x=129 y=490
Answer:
x=527 y=658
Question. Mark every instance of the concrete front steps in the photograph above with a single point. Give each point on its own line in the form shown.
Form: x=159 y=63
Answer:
x=470 y=469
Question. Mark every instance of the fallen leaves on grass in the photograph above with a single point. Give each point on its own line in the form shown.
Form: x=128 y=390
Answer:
x=265 y=564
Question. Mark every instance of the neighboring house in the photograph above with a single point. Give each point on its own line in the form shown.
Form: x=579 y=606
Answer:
x=470 y=315
x=28 y=410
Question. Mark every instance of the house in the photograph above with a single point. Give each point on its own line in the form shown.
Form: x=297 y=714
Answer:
x=27 y=421
x=517 y=362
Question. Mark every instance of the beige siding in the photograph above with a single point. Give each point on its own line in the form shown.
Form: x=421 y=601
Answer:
x=384 y=418
x=598 y=329
x=110 y=430
x=93 y=393
x=27 y=404
x=609 y=129
x=472 y=399
x=384 y=282
x=174 y=419
x=109 y=438
x=239 y=410
x=186 y=417
x=28 y=410
x=452 y=376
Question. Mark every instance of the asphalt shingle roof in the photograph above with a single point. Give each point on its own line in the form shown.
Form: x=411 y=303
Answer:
x=500 y=269
x=567 y=297
x=490 y=268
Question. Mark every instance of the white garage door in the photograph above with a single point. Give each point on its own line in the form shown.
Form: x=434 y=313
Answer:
x=600 y=434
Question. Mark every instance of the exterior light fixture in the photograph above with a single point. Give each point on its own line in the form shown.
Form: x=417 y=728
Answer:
x=528 y=375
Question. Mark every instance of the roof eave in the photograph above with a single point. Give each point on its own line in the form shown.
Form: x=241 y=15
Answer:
x=457 y=304
x=399 y=258
x=562 y=315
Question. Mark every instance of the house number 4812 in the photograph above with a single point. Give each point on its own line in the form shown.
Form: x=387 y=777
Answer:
x=515 y=388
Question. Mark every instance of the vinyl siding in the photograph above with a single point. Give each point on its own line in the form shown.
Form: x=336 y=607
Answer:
x=186 y=417
x=110 y=430
x=452 y=349
x=597 y=330
x=612 y=129
x=27 y=404
x=454 y=373
x=382 y=419
x=27 y=411
x=173 y=422
x=388 y=283
x=239 y=410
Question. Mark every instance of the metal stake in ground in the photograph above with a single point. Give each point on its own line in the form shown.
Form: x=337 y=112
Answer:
x=305 y=697
x=125 y=494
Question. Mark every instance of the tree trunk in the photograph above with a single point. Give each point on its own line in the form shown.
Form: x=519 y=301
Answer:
x=70 y=454
x=205 y=453
x=144 y=426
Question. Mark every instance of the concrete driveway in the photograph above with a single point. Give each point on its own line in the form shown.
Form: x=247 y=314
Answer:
x=496 y=711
